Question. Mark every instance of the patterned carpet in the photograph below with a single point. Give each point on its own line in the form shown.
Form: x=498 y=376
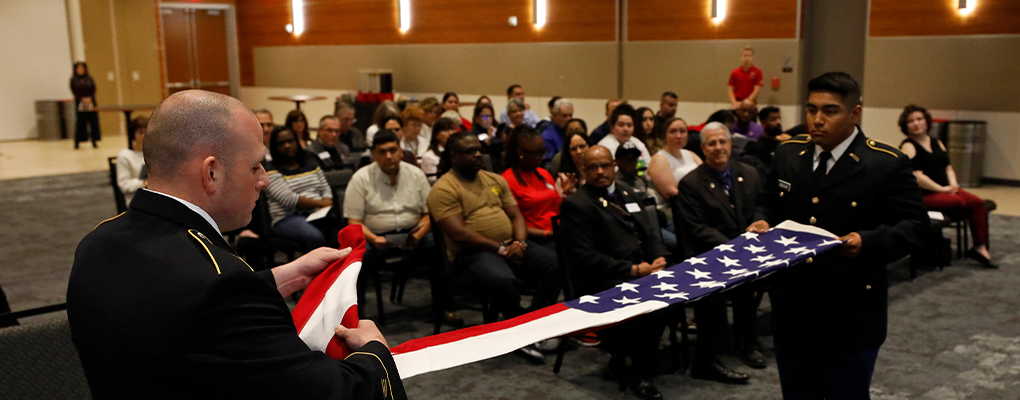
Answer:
x=953 y=334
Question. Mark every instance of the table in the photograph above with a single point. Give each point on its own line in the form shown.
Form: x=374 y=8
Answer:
x=127 y=109
x=298 y=99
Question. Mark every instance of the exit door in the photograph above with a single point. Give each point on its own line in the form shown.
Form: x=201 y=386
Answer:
x=195 y=49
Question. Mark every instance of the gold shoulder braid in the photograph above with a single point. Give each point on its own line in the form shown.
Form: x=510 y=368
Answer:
x=195 y=235
x=874 y=145
x=799 y=139
x=108 y=220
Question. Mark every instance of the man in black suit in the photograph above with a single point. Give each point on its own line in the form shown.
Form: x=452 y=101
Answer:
x=609 y=240
x=714 y=204
x=159 y=306
x=830 y=316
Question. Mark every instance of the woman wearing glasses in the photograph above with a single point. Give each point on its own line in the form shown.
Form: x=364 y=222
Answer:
x=532 y=186
x=568 y=164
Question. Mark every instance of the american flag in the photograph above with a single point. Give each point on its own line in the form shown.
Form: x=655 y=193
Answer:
x=748 y=257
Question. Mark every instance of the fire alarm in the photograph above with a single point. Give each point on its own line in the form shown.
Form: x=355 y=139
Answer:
x=775 y=83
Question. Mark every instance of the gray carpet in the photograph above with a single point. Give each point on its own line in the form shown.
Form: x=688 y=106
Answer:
x=953 y=334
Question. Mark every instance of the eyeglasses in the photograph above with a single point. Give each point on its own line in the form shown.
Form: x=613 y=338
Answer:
x=607 y=166
x=485 y=117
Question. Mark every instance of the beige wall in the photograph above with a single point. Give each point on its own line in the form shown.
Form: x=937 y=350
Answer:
x=36 y=62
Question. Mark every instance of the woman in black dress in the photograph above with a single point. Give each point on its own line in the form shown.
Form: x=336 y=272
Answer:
x=84 y=89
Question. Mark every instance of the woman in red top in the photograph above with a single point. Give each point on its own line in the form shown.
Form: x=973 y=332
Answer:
x=532 y=186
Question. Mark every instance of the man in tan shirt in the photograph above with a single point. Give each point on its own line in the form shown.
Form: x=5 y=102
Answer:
x=485 y=233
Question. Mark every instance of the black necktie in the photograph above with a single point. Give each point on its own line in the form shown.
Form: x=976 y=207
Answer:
x=823 y=166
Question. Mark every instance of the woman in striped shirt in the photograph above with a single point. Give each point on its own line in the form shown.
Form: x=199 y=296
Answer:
x=297 y=188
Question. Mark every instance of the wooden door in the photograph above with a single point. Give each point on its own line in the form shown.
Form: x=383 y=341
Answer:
x=195 y=46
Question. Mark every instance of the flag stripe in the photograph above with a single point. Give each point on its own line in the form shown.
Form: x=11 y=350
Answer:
x=332 y=296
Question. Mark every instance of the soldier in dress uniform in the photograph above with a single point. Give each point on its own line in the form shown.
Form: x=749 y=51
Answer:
x=160 y=307
x=830 y=315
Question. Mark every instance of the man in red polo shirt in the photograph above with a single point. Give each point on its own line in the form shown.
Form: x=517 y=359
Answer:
x=745 y=80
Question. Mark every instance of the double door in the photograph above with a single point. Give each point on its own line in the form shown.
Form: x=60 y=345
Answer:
x=195 y=49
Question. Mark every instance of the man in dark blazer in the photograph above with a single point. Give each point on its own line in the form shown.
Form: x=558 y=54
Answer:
x=830 y=315
x=609 y=240
x=714 y=204
x=159 y=306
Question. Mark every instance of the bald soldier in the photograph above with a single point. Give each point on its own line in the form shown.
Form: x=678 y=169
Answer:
x=160 y=307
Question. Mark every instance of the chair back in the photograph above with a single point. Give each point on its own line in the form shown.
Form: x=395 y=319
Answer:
x=40 y=360
x=653 y=217
x=338 y=179
x=561 y=255
x=118 y=196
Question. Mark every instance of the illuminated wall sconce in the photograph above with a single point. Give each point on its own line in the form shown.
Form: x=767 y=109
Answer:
x=541 y=13
x=718 y=10
x=405 y=16
x=297 y=9
x=966 y=6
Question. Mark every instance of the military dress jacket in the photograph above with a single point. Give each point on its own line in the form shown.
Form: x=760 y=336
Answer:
x=834 y=301
x=159 y=307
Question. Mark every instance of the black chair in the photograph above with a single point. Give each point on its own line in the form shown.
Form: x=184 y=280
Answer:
x=446 y=287
x=118 y=196
x=40 y=360
x=271 y=244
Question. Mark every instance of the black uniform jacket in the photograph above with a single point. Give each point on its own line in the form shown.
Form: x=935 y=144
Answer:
x=159 y=307
x=703 y=215
x=600 y=244
x=834 y=301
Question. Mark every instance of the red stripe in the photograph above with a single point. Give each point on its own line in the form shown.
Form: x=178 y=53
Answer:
x=460 y=334
x=352 y=237
x=336 y=348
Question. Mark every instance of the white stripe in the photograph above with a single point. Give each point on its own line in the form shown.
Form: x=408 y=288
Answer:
x=793 y=226
x=342 y=294
x=492 y=344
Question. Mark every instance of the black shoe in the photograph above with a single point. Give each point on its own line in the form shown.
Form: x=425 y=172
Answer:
x=615 y=369
x=987 y=263
x=753 y=359
x=645 y=389
x=717 y=372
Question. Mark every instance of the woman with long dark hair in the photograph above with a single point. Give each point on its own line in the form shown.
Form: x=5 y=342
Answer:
x=298 y=124
x=297 y=187
x=451 y=102
x=442 y=129
x=570 y=163
x=532 y=186
x=87 y=119
x=483 y=126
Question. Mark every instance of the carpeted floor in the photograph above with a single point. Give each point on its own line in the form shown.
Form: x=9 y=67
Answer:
x=953 y=334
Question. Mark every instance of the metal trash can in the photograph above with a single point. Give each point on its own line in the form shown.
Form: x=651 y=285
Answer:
x=70 y=116
x=966 y=146
x=47 y=119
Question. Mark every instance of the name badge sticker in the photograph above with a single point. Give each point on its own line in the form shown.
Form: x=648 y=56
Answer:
x=633 y=207
x=784 y=185
x=324 y=155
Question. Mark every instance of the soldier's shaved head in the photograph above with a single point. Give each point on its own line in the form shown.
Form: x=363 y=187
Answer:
x=189 y=124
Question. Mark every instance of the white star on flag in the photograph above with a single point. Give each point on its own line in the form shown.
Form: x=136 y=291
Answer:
x=828 y=242
x=774 y=263
x=729 y=262
x=783 y=240
x=696 y=260
x=673 y=296
x=663 y=286
x=709 y=284
x=744 y=275
x=588 y=299
x=625 y=300
x=663 y=274
x=763 y=258
x=698 y=274
x=735 y=271
x=724 y=247
x=799 y=250
x=755 y=249
x=627 y=286
x=750 y=236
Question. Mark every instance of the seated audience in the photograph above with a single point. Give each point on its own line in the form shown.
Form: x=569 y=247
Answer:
x=532 y=186
x=514 y=112
x=544 y=124
x=482 y=126
x=569 y=174
x=486 y=235
x=938 y=180
x=327 y=148
x=411 y=138
x=442 y=129
x=759 y=154
x=517 y=92
x=483 y=99
x=456 y=117
x=432 y=111
x=726 y=117
x=746 y=125
x=350 y=136
x=671 y=163
x=622 y=122
x=627 y=172
x=644 y=126
x=715 y=204
x=298 y=123
x=561 y=112
x=577 y=125
x=668 y=102
x=266 y=120
x=603 y=129
x=131 y=163
x=608 y=245
x=452 y=103
x=386 y=109
x=387 y=198
x=297 y=188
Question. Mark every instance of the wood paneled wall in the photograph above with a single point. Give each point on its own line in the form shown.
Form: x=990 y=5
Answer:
x=332 y=22
x=942 y=17
x=691 y=19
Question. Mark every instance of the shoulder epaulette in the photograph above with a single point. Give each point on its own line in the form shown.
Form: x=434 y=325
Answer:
x=198 y=236
x=108 y=220
x=799 y=139
x=878 y=146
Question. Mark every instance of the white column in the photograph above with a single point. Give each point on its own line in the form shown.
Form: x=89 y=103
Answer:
x=74 y=28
